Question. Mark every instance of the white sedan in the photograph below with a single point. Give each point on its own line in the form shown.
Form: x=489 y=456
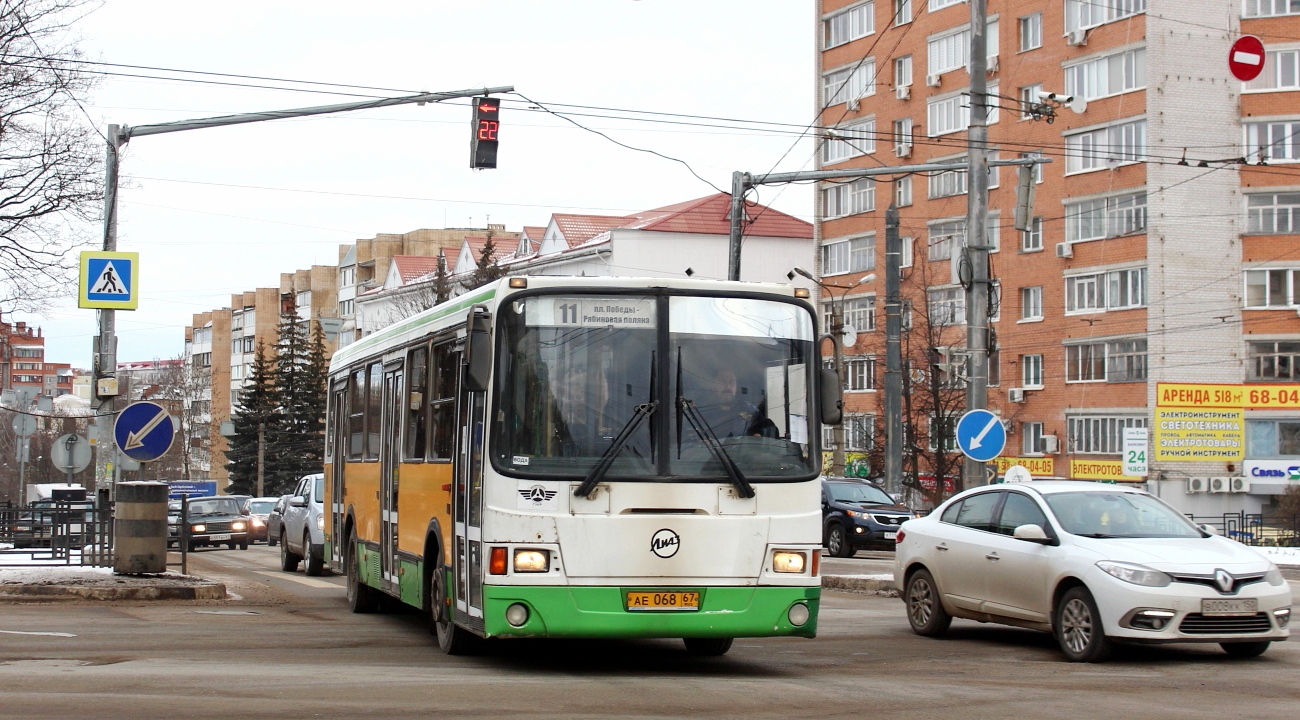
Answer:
x=1095 y=564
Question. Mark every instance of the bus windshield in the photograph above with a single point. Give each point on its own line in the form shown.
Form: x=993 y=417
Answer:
x=583 y=376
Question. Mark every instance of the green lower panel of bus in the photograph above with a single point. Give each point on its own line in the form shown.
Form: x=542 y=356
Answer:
x=602 y=612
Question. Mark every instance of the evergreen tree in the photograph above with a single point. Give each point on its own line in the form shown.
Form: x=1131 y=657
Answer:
x=300 y=376
x=488 y=269
x=258 y=405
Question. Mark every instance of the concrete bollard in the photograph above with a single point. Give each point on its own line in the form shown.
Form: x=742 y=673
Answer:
x=140 y=528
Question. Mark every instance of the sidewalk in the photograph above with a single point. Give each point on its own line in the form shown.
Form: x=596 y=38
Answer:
x=96 y=583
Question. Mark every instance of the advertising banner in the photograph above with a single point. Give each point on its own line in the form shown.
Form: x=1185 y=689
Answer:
x=1101 y=470
x=1251 y=397
x=1038 y=466
x=1195 y=434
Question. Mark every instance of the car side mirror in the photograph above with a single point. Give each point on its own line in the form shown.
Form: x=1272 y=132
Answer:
x=1031 y=533
x=1208 y=529
x=298 y=502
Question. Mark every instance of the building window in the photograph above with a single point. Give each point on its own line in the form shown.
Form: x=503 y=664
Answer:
x=1281 y=71
x=947 y=184
x=1106 y=147
x=1085 y=363
x=947 y=115
x=828 y=437
x=1031 y=371
x=947 y=306
x=1271 y=438
x=902 y=12
x=859 y=432
x=1031 y=303
x=1107 y=75
x=1100 y=434
x=903 y=191
x=348 y=276
x=1084 y=14
x=32 y=352
x=951 y=51
x=1032 y=434
x=849 y=25
x=346 y=307
x=860 y=312
x=1273 y=213
x=848 y=84
x=1031 y=240
x=907 y=247
x=947 y=235
x=940 y=4
x=852 y=255
x=903 y=71
x=860 y=374
x=850 y=198
x=1031 y=32
x=903 y=132
x=849 y=141
x=1273 y=360
x=1126 y=360
x=1270 y=8
x=1106 y=217
x=1113 y=290
x=1272 y=288
x=1272 y=141
x=1030 y=101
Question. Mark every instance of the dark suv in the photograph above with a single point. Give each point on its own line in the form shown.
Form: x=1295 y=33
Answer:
x=857 y=515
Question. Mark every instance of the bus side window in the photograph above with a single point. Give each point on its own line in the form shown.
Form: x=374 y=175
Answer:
x=442 y=401
x=356 y=413
x=417 y=399
x=374 y=409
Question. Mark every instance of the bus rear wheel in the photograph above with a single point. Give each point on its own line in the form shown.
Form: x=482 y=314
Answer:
x=707 y=647
x=452 y=640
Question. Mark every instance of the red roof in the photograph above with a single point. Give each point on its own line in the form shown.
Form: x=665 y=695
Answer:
x=710 y=216
x=578 y=229
x=410 y=267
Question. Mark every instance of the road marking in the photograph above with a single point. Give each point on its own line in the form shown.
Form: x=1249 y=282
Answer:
x=49 y=634
x=309 y=582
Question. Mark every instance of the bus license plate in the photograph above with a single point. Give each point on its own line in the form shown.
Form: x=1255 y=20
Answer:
x=225 y=536
x=672 y=600
x=1238 y=606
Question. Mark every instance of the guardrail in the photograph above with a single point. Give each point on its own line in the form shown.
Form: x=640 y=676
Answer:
x=1255 y=528
x=56 y=534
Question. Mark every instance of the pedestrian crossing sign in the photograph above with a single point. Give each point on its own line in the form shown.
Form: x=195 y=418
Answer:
x=109 y=280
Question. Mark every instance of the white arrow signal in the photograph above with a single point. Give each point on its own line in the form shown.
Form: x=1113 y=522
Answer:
x=977 y=441
x=136 y=439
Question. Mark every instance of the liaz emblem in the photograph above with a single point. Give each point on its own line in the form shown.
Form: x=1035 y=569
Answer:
x=537 y=494
x=665 y=543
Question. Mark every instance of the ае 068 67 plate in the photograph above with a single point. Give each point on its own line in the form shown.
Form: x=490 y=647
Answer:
x=668 y=600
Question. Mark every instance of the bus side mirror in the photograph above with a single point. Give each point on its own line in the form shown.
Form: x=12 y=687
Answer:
x=832 y=397
x=478 y=349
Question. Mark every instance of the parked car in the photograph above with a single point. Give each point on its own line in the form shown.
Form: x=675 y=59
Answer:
x=173 y=523
x=216 y=520
x=1094 y=564
x=45 y=523
x=857 y=515
x=258 y=511
x=275 y=520
x=302 y=529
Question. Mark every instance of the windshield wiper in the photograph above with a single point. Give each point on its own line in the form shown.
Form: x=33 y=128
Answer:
x=743 y=488
x=602 y=466
x=1097 y=536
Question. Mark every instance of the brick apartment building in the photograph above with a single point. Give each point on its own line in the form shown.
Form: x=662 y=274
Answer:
x=22 y=361
x=1156 y=255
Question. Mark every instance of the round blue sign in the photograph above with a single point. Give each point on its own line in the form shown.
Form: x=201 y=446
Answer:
x=144 y=431
x=980 y=435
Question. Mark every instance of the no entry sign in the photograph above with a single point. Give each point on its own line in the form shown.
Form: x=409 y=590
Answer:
x=1246 y=58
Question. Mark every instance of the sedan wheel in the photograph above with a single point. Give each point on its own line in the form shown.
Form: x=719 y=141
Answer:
x=315 y=563
x=1245 y=649
x=837 y=542
x=288 y=560
x=1078 y=627
x=925 y=611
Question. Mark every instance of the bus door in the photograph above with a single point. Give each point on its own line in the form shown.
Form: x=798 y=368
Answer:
x=468 y=501
x=337 y=439
x=389 y=445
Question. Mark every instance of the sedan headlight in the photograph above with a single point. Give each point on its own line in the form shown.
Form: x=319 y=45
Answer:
x=784 y=561
x=856 y=514
x=1274 y=576
x=237 y=526
x=1134 y=573
x=258 y=522
x=198 y=528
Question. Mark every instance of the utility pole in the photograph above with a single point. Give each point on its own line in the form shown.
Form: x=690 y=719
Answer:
x=976 y=252
x=105 y=350
x=261 y=458
x=893 y=354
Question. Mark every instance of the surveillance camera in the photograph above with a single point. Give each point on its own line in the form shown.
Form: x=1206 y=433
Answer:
x=1044 y=95
x=1062 y=99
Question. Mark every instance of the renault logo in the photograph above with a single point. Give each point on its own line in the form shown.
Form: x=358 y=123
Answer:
x=1224 y=580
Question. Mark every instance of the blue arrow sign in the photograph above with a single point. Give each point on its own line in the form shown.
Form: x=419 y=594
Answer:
x=980 y=435
x=144 y=431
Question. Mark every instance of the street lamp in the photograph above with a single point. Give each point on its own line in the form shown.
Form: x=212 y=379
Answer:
x=836 y=335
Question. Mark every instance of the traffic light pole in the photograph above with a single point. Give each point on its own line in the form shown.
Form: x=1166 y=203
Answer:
x=976 y=252
x=105 y=350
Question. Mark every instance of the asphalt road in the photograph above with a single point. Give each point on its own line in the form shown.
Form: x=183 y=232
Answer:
x=286 y=647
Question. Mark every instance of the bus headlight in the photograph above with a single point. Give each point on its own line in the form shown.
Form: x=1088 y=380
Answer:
x=532 y=561
x=784 y=561
x=517 y=614
x=798 y=614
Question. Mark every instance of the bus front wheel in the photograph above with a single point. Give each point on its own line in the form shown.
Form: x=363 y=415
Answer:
x=707 y=647
x=452 y=640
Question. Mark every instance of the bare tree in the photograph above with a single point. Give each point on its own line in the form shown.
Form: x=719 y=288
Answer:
x=186 y=392
x=50 y=156
x=421 y=295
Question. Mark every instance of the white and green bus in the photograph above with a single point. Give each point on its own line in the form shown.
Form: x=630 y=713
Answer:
x=576 y=457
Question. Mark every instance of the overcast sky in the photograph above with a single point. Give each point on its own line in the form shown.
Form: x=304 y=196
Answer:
x=218 y=211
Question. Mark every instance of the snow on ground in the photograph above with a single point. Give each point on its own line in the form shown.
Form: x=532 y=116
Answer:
x=1282 y=555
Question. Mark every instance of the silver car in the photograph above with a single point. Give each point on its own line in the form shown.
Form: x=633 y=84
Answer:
x=302 y=527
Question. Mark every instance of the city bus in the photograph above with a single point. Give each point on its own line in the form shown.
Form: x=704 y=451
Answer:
x=559 y=457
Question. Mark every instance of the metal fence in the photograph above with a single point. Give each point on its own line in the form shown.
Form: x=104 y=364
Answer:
x=56 y=534
x=1254 y=528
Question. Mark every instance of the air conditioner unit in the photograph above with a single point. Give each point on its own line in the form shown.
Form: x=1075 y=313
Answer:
x=1239 y=484
x=1077 y=38
x=1064 y=250
x=903 y=150
x=1196 y=484
x=934 y=80
x=852 y=104
x=1051 y=445
x=993 y=64
x=1008 y=427
x=1016 y=395
x=1219 y=484
x=903 y=92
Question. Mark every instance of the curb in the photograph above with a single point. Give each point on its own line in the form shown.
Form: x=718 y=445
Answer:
x=206 y=591
x=865 y=584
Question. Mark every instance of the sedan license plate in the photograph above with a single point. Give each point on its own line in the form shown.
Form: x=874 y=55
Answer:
x=1237 y=606
x=891 y=535
x=224 y=536
x=675 y=600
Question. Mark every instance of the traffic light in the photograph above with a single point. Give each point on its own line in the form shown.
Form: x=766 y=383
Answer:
x=483 y=141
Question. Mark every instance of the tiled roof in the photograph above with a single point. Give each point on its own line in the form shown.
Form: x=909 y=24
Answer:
x=578 y=229
x=709 y=216
x=410 y=267
x=534 y=232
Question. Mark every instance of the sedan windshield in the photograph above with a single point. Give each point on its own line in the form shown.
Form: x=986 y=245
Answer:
x=261 y=507
x=214 y=506
x=597 y=385
x=1118 y=514
x=859 y=493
